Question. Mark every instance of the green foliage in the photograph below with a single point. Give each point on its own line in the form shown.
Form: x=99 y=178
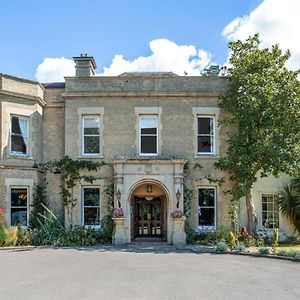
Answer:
x=240 y=248
x=71 y=172
x=264 y=250
x=289 y=202
x=39 y=198
x=262 y=100
x=275 y=240
x=109 y=191
x=197 y=166
x=190 y=234
x=187 y=200
x=232 y=240
x=2 y=235
x=21 y=237
x=221 y=247
x=51 y=232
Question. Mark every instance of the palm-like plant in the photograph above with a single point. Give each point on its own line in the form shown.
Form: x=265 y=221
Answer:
x=289 y=202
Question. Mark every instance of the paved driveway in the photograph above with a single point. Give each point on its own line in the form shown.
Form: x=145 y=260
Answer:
x=140 y=273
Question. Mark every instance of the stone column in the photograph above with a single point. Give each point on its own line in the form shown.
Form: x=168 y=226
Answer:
x=179 y=236
x=119 y=237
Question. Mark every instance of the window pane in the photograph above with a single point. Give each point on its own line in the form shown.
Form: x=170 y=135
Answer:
x=206 y=216
x=18 y=216
x=148 y=144
x=205 y=125
x=91 y=197
x=18 y=144
x=148 y=131
x=204 y=144
x=19 y=197
x=149 y=122
x=91 y=125
x=206 y=197
x=91 y=144
x=91 y=216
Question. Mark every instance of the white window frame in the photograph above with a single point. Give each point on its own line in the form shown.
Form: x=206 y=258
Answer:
x=208 y=228
x=83 y=135
x=261 y=214
x=83 y=206
x=140 y=134
x=27 y=206
x=212 y=136
x=15 y=153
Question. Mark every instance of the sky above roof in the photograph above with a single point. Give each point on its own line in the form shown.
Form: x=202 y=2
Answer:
x=39 y=38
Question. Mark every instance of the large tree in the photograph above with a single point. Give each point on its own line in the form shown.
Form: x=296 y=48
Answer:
x=263 y=104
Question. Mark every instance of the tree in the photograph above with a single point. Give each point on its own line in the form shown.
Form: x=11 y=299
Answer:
x=39 y=199
x=289 y=202
x=263 y=104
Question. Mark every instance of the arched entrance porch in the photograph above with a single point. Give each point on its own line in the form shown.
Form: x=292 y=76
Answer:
x=148 y=211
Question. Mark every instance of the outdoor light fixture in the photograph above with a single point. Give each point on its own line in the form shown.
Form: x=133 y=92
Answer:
x=118 y=194
x=178 y=195
x=149 y=188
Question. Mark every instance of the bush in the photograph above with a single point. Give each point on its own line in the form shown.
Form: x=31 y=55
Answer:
x=293 y=254
x=240 y=248
x=275 y=240
x=264 y=250
x=221 y=247
x=282 y=253
x=232 y=240
x=2 y=235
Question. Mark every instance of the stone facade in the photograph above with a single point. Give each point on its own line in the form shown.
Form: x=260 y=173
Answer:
x=55 y=115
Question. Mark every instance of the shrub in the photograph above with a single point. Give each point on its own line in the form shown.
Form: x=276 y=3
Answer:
x=264 y=250
x=2 y=235
x=191 y=236
x=39 y=202
x=232 y=240
x=222 y=234
x=275 y=240
x=221 y=247
x=240 y=248
x=293 y=254
x=282 y=253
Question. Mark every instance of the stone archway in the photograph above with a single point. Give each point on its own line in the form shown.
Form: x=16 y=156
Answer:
x=148 y=211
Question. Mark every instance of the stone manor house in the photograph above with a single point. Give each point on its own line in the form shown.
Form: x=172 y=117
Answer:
x=147 y=125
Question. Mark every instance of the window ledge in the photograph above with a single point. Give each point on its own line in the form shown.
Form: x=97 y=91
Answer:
x=19 y=156
x=206 y=228
x=100 y=156
x=213 y=155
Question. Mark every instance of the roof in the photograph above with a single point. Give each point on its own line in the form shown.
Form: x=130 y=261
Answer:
x=149 y=74
x=54 y=85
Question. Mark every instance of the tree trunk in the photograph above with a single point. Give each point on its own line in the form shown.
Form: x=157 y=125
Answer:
x=252 y=218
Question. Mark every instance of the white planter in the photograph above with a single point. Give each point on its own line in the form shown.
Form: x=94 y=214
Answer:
x=178 y=236
x=119 y=237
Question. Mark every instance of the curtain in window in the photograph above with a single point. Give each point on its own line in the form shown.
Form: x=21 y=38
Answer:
x=23 y=127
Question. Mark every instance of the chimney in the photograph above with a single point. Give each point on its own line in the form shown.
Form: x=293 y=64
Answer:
x=85 y=65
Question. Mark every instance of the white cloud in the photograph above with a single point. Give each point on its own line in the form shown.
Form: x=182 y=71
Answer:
x=54 y=69
x=166 y=56
x=276 y=21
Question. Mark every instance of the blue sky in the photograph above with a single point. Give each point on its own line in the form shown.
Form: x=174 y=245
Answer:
x=34 y=30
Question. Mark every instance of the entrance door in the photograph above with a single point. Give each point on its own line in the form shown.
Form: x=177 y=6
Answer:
x=148 y=217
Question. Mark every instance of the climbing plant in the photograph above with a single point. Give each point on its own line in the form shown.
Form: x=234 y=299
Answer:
x=71 y=173
x=262 y=101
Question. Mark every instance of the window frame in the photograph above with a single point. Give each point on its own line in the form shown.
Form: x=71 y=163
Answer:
x=27 y=204
x=15 y=153
x=140 y=134
x=266 y=211
x=207 y=228
x=83 y=206
x=213 y=135
x=96 y=154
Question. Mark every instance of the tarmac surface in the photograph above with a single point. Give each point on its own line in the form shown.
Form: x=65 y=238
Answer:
x=143 y=272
